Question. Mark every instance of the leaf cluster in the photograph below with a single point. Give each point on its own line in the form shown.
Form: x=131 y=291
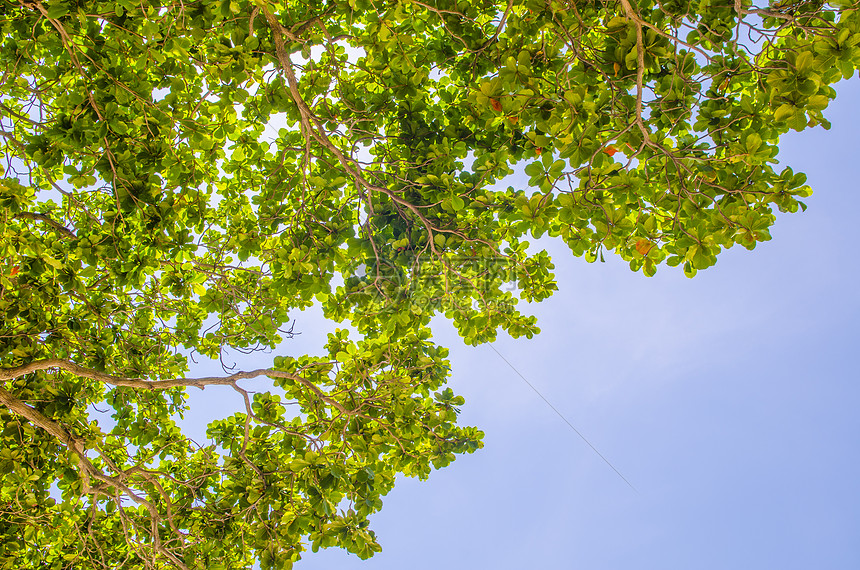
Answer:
x=182 y=178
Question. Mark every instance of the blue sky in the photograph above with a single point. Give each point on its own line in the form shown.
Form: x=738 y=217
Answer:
x=729 y=401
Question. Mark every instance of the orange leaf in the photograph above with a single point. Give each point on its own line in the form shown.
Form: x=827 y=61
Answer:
x=495 y=105
x=617 y=67
x=610 y=150
x=643 y=246
x=538 y=150
x=513 y=120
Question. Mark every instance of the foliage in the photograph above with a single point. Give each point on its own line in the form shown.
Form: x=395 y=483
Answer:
x=181 y=178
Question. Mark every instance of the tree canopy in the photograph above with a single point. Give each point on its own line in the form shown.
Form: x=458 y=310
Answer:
x=181 y=178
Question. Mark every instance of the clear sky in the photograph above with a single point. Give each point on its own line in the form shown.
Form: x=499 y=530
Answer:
x=730 y=401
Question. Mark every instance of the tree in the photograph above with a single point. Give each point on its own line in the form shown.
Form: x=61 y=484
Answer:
x=180 y=178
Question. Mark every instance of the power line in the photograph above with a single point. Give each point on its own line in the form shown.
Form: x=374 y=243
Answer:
x=562 y=417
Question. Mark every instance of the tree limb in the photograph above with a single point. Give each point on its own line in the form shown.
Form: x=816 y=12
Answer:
x=46 y=219
x=87 y=469
x=640 y=66
x=7 y=374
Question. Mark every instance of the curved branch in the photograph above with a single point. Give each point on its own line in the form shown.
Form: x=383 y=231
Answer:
x=7 y=374
x=312 y=126
x=640 y=66
x=46 y=219
x=88 y=470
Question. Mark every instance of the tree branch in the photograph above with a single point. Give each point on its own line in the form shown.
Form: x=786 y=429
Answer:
x=46 y=219
x=312 y=126
x=87 y=469
x=640 y=66
x=7 y=374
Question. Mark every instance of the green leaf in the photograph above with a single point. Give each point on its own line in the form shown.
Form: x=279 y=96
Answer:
x=785 y=112
x=818 y=102
x=534 y=169
x=753 y=142
x=805 y=62
x=56 y=11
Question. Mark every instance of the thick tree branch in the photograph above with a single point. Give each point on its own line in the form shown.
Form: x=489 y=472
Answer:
x=87 y=469
x=46 y=219
x=7 y=374
x=70 y=48
x=312 y=126
x=640 y=66
x=37 y=418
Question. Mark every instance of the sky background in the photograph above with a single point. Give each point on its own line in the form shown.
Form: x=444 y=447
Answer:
x=728 y=401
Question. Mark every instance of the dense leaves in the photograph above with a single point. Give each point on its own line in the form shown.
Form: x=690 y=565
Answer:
x=181 y=178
